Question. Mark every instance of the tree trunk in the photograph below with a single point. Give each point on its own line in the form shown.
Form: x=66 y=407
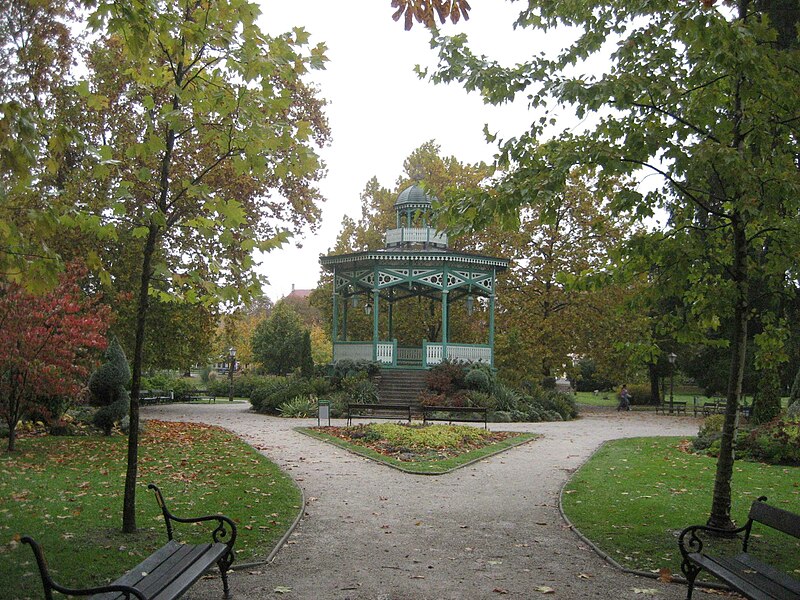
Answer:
x=655 y=393
x=721 y=500
x=129 y=502
x=12 y=437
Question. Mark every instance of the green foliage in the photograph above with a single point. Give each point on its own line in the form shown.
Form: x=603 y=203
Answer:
x=794 y=393
x=589 y=379
x=767 y=400
x=479 y=379
x=775 y=443
x=108 y=388
x=507 y=399
x=299 y=407
x=709 y=433
x=278 y=341
x=360 y=389
x=272 y=393
x=641 y=395
x=306 y=360
x=343 y=369
x=481 y=399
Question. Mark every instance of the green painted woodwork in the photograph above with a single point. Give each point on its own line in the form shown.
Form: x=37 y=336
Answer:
x=415 y=263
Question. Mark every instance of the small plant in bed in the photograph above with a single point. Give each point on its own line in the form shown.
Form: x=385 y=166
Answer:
x=428 y=449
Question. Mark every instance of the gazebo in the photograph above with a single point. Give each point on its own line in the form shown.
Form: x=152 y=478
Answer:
x=415 y=263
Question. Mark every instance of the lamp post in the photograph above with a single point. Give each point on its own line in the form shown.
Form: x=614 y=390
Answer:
x=232 y=354
x=671 y=358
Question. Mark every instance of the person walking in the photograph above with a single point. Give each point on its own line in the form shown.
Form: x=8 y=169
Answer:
x=624 y=398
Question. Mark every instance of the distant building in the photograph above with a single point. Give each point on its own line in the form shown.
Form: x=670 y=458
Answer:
x=299 y=294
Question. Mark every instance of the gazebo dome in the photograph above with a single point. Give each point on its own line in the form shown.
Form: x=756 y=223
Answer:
x=413 y=196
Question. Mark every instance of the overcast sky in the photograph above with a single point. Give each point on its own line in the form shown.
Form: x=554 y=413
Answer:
x=380 y=111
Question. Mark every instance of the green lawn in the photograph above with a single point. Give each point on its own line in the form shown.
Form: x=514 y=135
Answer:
x=634 y=496
x=612 y=399
x=67 y=494
x=423 y=444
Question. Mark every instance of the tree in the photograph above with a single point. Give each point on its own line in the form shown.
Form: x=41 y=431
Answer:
x=698 y=94
x=278 y=341
x=37 y=142
x=207 y=134
x=306 y=359
x=108 y=385
x=46 y=348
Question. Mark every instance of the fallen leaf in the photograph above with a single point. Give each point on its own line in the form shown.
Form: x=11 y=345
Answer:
x=646 y=591
x=500 y=591
x=665 y=575
x=282 y=589
x=544 y=589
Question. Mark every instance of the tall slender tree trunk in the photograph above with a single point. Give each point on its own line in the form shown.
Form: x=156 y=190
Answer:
x=129 y=501
x=655 y=392
x=721 y=500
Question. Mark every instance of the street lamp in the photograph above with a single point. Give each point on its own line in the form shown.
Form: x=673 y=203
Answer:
x=232 y=354
x=671 y=358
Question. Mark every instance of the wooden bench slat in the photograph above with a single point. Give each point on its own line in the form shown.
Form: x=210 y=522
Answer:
x=192 y=568
x=790 y=588
x=749 y=576
x=775 y=517
x=169 y=571
x=134 y=576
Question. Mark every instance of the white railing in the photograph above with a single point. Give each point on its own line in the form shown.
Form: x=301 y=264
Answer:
x=385 y=353
x=433 y=354
x=415 y=235
x=352 y=351
x=469 y=354
x=460 y=352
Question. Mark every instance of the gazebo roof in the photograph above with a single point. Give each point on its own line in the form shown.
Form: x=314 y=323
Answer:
x=430 y=257
x=413 y=197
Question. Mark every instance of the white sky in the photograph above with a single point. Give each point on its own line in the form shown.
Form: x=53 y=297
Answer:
x=380 y=111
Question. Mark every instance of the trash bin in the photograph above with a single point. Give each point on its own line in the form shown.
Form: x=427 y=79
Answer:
x=323 y=412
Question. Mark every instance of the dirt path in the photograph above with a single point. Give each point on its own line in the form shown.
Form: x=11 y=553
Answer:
x=490 y=530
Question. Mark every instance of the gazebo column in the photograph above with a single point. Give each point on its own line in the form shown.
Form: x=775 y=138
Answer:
x=344 y=319
x=375 y=311
x=491 y=317
x=335 y=324
x=444 y=324
x=390 y=310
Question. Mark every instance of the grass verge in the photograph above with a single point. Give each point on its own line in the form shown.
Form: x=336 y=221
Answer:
x=423 y=459
x=634 y=496
x=67 y=494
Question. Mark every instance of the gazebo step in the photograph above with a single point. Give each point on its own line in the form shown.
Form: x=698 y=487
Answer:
x=402 y=386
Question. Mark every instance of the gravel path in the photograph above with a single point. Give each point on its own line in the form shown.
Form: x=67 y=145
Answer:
x=489 y=530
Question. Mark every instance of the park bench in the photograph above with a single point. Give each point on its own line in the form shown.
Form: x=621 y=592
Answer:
x=458 y=414
x=671 y=407
x=197 y=395
x=167 y=573
x=378 y=411
x=154 y=396
x=717 y=407
x=744 y=573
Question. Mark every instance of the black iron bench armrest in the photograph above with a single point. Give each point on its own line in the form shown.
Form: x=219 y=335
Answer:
x=695 y=542
x=226 y=528
x=50 y=585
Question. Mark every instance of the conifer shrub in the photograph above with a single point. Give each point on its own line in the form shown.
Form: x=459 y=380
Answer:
x=108 y=387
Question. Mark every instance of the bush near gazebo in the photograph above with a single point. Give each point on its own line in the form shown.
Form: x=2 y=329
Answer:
x=475 y=384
